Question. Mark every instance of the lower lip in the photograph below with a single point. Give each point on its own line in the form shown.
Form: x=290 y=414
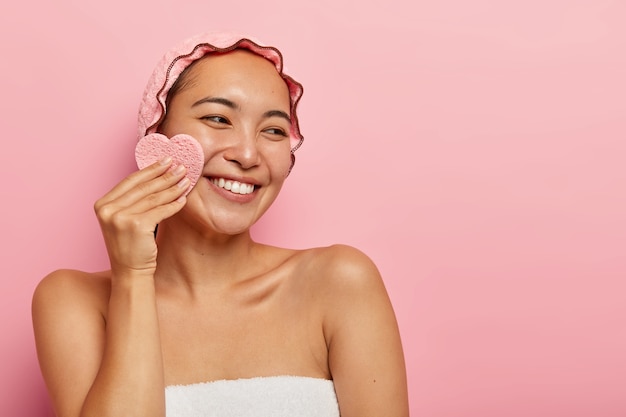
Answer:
x=236 y=198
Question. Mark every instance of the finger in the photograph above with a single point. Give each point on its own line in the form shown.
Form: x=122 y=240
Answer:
x=165 y=211
x=133 y=221
x=158 y=198
x=168 y=180
x=129 y=210
x=132 y=189
x=146 y=174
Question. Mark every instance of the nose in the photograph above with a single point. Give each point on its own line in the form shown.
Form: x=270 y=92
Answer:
x=243 y=150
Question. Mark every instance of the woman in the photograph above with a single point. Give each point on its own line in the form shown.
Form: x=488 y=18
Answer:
x=202 y=320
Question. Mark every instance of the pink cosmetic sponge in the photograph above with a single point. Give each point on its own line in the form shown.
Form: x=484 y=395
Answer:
x=183 y=149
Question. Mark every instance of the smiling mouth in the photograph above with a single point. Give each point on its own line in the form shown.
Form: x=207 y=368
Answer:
x=235 y=187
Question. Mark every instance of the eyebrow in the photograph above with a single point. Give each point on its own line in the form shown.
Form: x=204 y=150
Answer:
x=231 y=104
x=277 y=113
x=219 y=100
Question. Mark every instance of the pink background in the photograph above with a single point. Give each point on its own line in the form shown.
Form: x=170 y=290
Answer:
x=474 y=149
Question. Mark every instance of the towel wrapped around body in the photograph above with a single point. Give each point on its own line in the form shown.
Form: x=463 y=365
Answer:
x=276 y=396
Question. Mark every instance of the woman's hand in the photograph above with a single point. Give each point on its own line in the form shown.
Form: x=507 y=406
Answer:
x=129 y=213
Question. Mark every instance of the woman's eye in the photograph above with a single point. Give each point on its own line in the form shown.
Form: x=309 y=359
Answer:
x=276 y=131
x=216 y=119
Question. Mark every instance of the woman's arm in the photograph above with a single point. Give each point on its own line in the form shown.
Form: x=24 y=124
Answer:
x=365 y=352
x=110 y=364
x=94 y=365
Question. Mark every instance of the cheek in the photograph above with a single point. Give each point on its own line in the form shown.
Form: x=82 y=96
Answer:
x=279 y=160
x=212 y=141
x=174 y=125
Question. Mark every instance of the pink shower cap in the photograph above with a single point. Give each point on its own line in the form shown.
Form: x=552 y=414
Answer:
x=153 y=104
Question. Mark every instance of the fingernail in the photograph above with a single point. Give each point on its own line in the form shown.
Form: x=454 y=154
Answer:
x=166 y=160
x=179 y=169
x=184 y=183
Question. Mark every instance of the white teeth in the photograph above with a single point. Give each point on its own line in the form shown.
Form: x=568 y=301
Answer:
x=233 y=186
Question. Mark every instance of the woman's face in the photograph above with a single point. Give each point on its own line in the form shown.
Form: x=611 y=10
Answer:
x=237 y=106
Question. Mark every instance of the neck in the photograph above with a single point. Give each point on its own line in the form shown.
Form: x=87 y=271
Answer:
x=199 y=258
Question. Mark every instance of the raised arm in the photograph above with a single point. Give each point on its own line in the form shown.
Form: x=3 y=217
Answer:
x=97 y=336
x=365 y=351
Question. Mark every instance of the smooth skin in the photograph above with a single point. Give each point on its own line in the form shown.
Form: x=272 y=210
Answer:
x=204 y=301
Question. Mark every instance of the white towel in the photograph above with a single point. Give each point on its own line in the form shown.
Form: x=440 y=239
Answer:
x=277 y=396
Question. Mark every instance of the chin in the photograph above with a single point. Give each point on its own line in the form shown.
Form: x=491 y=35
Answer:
x=232 y=230
x=223 y=219
x=232 y=224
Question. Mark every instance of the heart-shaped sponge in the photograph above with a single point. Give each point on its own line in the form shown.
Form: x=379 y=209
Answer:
x=183 y=149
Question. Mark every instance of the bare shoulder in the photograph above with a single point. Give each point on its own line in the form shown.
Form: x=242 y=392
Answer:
x=345 y=282
x=66 y=300
x=341 y=270
x=68 y=288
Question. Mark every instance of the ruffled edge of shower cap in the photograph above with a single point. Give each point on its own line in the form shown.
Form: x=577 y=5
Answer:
x=153 y=104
